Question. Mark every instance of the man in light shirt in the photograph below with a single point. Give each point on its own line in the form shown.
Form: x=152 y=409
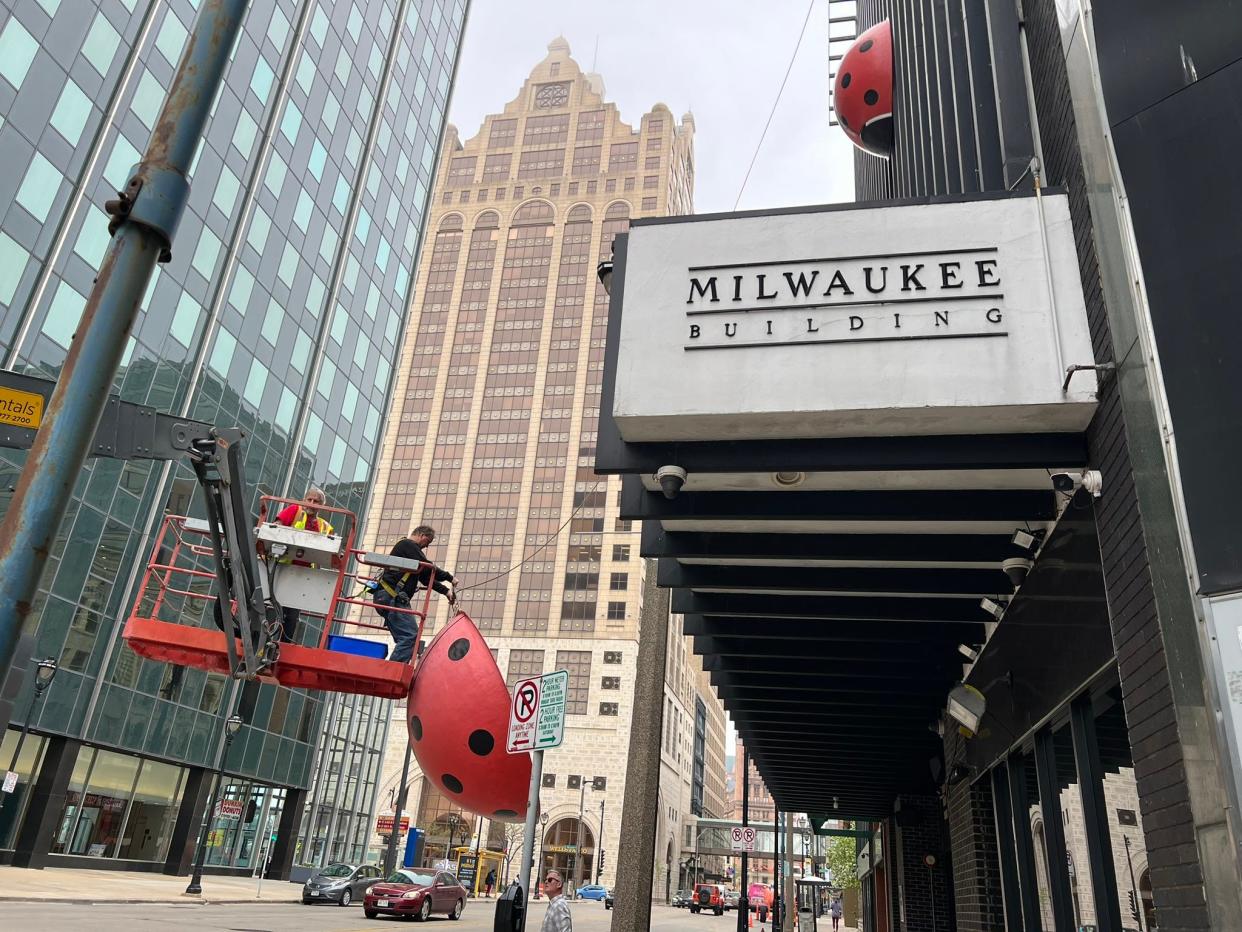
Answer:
x=557 y=918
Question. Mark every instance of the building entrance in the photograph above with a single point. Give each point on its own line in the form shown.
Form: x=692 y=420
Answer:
x=569 y=847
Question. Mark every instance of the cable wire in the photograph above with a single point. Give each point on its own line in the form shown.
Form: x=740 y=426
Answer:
x=775 y=103
x=573 y=514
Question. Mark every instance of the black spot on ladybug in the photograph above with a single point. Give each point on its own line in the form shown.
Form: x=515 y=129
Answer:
x=845 y=79
x=458 y=649
x=866 y=46
x=481 y=742
x=416 y=728
x=870 y=98
x=451 y=783
x=505 y=813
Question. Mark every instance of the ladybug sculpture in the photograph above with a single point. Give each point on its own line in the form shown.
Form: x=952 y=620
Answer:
x=458 y=718
x=863 y=92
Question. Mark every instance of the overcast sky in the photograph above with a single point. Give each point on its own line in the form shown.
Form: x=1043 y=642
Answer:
x=722 y=59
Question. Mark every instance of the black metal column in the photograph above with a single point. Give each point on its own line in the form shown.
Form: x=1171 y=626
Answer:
x=189 y=819
x=32 y=846
x=1054 y=831
x=776 y=867
x=743 y=902
x=1003 y=816
x=281 y=860
x=1095 y=815
x=1024 y=848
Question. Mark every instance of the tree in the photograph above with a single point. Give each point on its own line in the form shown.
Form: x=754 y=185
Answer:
x=843 y=861
x=513 y=845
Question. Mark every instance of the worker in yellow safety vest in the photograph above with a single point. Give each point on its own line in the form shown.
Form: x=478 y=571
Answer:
x=302 y=517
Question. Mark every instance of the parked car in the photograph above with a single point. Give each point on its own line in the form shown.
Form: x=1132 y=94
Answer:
x=590 y=891
x=416 y=892
x=731 y=898
x=708 y=896
x=682 y=898
x=341 y=884
x=608 y=899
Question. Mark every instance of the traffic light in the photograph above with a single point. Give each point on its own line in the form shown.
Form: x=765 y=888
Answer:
x=1134 y=910
x=601 y=860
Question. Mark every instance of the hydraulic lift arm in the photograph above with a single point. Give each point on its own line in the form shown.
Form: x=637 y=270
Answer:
x=132 y=431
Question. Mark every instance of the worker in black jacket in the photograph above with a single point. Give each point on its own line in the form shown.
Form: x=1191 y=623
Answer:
x=397 y=588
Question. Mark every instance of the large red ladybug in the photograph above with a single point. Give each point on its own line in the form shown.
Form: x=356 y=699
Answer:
x=863 y=92
x=459 y=722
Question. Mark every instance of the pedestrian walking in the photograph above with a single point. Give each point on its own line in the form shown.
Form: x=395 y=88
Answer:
x=835 y=910
x=558 y=917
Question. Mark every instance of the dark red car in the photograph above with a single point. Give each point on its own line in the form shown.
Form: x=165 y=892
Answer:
x=416 y=892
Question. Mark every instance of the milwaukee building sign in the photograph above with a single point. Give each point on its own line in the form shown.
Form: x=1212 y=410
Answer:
x=958 y=317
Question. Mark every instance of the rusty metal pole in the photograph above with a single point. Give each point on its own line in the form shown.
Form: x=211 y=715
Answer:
x=144 y=220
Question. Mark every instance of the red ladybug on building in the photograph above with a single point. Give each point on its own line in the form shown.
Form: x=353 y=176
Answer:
x=863 y=92
x=458 y=718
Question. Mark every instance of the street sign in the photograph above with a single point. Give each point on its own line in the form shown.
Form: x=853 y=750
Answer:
x=537 y=713
x=21 y=409
x=742 y=838
x=383 y=824
x=229 y=809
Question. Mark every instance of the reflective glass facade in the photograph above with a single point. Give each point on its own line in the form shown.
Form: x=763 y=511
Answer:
x=281 y=311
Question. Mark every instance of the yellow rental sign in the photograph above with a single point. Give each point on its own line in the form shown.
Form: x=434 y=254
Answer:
x=21 y=409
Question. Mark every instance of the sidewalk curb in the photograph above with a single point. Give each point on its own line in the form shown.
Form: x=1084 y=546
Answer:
x=94 y=901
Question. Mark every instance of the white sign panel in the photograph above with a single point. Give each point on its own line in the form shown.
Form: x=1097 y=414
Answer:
x=537 y=713
x=742 y=839
x=10 y=781
x=921 y=319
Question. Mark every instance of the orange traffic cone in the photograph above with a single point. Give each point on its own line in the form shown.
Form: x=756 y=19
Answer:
x=750 y=918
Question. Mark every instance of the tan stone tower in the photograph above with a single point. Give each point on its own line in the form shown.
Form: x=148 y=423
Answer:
x=492 y=434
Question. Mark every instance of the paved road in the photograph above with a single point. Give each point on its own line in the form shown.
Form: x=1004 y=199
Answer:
x=293 y=917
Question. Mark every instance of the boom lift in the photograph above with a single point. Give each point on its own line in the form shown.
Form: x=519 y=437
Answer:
x=230 y=571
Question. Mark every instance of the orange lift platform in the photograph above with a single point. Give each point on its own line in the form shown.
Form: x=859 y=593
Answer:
x=198 y=585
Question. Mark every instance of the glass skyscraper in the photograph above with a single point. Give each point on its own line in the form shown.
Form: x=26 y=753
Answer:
x=281 y=311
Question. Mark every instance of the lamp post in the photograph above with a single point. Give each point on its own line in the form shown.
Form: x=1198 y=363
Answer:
x=453 y=820
x=45 y=670
x=543 y=837
x=231 y=727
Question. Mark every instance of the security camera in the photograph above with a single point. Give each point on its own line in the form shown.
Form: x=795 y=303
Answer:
x=1089 y=480
x=1016 y=569
x=671 y=479
x=992 y=607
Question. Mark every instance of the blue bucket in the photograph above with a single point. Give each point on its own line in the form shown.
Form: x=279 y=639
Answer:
x=357 y=646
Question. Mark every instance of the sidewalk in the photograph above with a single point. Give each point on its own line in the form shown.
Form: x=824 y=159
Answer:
x=82 y=886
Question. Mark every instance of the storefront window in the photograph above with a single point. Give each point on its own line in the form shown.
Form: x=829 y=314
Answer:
x=26 y=766
x=1075 y=826
x=1125 y=826
x=67 y=840
x=153 y=812
x=245 y=840
x=109 y=788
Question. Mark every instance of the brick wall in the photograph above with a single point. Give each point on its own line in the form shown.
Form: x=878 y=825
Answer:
x=1142 y=664
x=927 y=894
x=972 y=845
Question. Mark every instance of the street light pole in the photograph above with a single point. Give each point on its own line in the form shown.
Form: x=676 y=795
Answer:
x=578 y=839
x=45 y=670
x=144 y=220
x=231 y=727
x=453 y=820
x=390 y=855
x=543 y=827
x=599 y=848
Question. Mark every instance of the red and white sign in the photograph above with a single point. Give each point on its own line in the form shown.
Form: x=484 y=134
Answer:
x=742 y=838
x=229 y=808
x=383 y=824
x=523 y=715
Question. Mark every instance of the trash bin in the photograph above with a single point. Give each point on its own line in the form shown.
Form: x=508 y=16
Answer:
x=509 y=909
